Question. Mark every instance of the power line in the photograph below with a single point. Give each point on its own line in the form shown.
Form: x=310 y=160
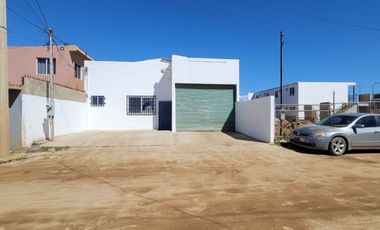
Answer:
x=23 y=36
x=304 y=26
x=27 y=20
x=224 y=18
x=42 y=13
x=320 y=18
x=33 y=11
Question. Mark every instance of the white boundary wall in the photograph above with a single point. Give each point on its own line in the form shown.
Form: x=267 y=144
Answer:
x=70 y=117
x=255 y=118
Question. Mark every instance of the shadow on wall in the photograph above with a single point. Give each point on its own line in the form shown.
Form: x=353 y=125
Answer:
x=45 y=127
x=162 y=91
x=229 y=124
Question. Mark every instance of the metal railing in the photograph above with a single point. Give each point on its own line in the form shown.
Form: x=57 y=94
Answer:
x=290 y=116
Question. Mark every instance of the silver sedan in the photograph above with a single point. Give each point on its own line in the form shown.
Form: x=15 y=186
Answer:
x=340 y=133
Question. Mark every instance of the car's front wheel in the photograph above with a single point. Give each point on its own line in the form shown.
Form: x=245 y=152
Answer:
x=338 y=146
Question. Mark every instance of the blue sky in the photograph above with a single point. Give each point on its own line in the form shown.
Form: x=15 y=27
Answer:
x=326 y=40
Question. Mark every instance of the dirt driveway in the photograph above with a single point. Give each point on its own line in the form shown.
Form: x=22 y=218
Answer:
x=152 y=180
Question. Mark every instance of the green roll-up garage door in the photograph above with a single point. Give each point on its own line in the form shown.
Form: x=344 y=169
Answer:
x=205 y=107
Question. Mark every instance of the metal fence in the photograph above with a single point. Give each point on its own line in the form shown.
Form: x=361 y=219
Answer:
x=290 y=116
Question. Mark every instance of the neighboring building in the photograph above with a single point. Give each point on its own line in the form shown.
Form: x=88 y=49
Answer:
x=298 y=94
x=68 y=62
x=28 y=73
x=180 y=94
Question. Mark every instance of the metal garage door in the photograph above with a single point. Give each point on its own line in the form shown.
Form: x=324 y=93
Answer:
x=205 y=107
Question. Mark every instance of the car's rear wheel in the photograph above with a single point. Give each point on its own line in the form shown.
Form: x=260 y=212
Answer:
x=338 y=146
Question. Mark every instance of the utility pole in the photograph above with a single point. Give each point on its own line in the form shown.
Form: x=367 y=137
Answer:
x=51 y=106
x=282 y=114
x=4 y=110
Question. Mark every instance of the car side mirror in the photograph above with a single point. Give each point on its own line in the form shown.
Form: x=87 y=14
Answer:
x=358 y=126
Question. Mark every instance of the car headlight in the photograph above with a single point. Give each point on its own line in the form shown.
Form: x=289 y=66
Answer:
x=319 y=133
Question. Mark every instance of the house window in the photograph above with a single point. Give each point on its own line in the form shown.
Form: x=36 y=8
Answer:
x=43 y=66
x=276 y=94
x=98 y=101
x=291 y=91
x=77 y=71
x=141 y=105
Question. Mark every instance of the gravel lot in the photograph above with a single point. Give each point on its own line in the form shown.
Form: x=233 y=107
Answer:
x=154 y=180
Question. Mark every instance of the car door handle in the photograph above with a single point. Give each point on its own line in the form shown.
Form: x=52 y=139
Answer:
x=376 y=132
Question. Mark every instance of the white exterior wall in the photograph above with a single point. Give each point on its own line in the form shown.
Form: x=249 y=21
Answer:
x=70 y=117
x=203 y=71
x=317 y=92
x=255 y=118
x=116 y=80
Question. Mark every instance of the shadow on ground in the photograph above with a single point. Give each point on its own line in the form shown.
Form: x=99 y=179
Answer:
x=240 y=136
x=303 y=150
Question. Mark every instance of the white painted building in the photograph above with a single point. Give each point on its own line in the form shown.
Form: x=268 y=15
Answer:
x=177 y=94
x=298 y=94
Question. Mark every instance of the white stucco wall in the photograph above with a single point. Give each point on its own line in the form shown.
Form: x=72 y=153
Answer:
x=255 y=118
x=317 y=92
x=203 y=71
x=116 y=80
x=70 y=117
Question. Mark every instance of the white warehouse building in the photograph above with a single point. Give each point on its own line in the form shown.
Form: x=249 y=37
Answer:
x=181 y=93
x=298 y=94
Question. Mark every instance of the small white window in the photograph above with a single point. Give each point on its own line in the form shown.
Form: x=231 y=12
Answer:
x=43 y=66
x=78 y=71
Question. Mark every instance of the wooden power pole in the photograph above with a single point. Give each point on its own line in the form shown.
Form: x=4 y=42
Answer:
x=4 y=110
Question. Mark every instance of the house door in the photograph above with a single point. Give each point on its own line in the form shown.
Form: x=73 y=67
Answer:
x=165 y=115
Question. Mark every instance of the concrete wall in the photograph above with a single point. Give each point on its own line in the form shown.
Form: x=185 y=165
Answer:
x=70 y=110
x=15 y=119
x=70 y=117
x=203 y=71
x=115 y=81
x=255 y=118
x=37 y=87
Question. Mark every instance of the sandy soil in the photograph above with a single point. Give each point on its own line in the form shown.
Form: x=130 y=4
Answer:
x=197 y=181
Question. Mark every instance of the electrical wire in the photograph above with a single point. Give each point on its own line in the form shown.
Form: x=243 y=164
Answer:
x=33 y=11
x=23 y=36
x=302 y=25
x=224 y=18
x=42 y=13
x=320 y=18
x=27 y=20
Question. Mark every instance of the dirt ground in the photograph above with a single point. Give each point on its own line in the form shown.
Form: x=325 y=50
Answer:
x=188 y=181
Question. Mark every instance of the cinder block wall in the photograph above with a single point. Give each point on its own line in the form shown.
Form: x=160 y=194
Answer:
x=37 y=87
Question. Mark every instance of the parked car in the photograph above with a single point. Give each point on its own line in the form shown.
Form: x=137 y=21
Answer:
x=340 y=133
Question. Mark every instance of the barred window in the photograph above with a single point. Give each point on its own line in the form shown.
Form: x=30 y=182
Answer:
x=141 y=105
x=98 y=101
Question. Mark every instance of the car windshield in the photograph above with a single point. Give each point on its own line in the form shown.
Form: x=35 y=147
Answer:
x=338 y=121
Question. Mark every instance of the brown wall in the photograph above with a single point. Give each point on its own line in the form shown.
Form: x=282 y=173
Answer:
x=22 y=61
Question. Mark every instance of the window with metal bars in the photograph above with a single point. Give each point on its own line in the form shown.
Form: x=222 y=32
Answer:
x=97 y=101
x=141 y=105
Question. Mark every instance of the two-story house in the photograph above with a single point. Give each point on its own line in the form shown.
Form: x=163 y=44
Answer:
x=28 y=71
